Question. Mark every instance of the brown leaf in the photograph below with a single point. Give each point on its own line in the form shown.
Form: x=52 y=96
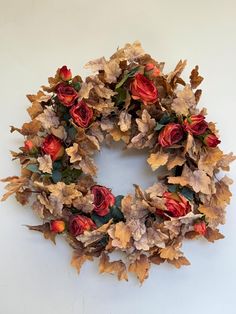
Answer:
x=79 y=259
x=156 y=259
x=158 y=159
x=195 y=78
x=45 y=229
x=115 y=267
x=225 y=161
x=170 y=253
x=35 y=109
x=209 y=159
x=121 y=234
x=124 y=121
x=213 y=234
x=175 y=160
x=14 y=185
x=184 y=102
x=23 y=197
x=140 y=267
x=28 y=128
x=65 y=193
x=181 y=261
x=45 y=164
x=88 y=167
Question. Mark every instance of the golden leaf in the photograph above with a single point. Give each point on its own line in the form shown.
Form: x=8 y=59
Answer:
x=124 y=121
x=178 y=180
x=209 y=159
x=74 y=153
x=213 y=234
x=175 y=160
x=78 y=260
x=158 y=159
x=170 y=253
x=118 y=135
x=181 y=261
x=14 y=185
x=65 y=193
x=115 y=267
x=208 y=211
x=140 y=267
x=45 y=164
x=121 y=234
x=184 y=102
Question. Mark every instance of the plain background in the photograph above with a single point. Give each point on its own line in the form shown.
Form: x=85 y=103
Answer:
x=37 y=37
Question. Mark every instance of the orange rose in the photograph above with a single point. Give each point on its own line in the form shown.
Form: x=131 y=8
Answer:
x=53 y=147
x=82 y=114
x=79 y=223
x=57 y=226
x=195 y=124
x=200 y=227
x=176 y=204
x=143 y=89
x=65 y=74
x=103 y=199
x=66 y=94
x=211 y=140
x=171 y=134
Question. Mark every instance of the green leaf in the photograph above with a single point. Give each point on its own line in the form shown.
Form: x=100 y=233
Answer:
x=56 y=176
x=77 y=86
x=189 y=194
x=159 y=126
x=173 y=188
x=121 y=96
x=124 y=79
x=70 y=175
x=34 y=168
x=100 y=220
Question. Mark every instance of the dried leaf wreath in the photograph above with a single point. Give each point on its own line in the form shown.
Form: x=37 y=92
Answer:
x=128 y=99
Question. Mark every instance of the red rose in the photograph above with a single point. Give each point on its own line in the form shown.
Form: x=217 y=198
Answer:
x=151 y=70
x=65 y=74
x=79 y=223
x=57 y=226
x=177 y=205
x=211 y=140
x=103 y=199
x=53 y=147
x=82 y=114
x=171 y=134
x=66 y=94
x=195 y=124
x=143 y=89
x=200 y=227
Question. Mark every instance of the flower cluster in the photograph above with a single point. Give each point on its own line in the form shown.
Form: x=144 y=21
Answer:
x=130 y=99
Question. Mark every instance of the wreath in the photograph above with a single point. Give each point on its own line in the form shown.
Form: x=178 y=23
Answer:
x=128 y=99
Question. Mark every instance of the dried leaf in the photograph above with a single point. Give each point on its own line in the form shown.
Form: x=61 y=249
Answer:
x=184 y=102
x=170 y=253
x=14 y=185
x=78 y=260
x=225 y=161
x=115 y=267
x=181 y=261
x=140 y=267
x=45 y=229
x=28 y=128
x=35 y=109
x=121 y=234
x=45 y=164
x=175 y=160
x=195 y=78
x=124 y=121
x=158 y=159
x=213 y=234
x=48 y=118
x=65 y=193
x=59 y=132
x=88 y=167
x=209 y=212
x=74 y=153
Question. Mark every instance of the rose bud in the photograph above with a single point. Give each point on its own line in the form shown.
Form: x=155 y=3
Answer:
x=176 y=204
x=195 y=124
x=53 y=147
x=66 y=94
x=64 y=73
x=103 y=199
x=151 y=70
x=200 y=227
x=28 y=145
x=82 y=114
x=57 y=226
x=171 y=134
x=143 y=89
x=211 y=140
x=79 y=223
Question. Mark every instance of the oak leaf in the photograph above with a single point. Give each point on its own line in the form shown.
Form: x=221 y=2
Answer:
x=175 y=160
x=115 y=267
x=121 y=234
x=65 y=193
x=170 y=253
x=124 y=121
x=14 y=184
x=184 y=102
x=213 y=234
x=195 y=78
x=158 y=159
x=74 y=153
x=140 y=267
x=79 y=259
x=45 y=164
x=181 y=261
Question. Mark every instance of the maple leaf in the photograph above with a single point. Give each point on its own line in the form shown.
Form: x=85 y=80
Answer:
x=209 y=159
x=146 y=123
x=175 y=160
x=225 y=161
x=85 y=90
x=52 y=203
x=45 y=163
x=181 y=261
x=78 y=260
x=45 y=229
x=184 y=102
x=121 y=234
x=158 y=159
x=170 y=253
x=209 y=212
x=195 y=78
x=115 y=267
x=48 y=118
x=213 y=234
x=112 y=71
x=118 y=135
x=88 y=167
x=14 y=185
x=124 y=121
x=28 y=128
x=35 y=109
x=65 y=193
x=140 y=267
x=74 y=153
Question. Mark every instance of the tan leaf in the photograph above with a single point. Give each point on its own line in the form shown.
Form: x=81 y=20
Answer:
x=39 y=97
x=118 y=135
x=175 y=160
x=85 y=90
x=181 y=261
x=45 y=163
x=45 y=229
x=213 y=234
x=158 y=159
x=208 y=211
x=112 y=71
x=225 y=161
x=146 y=123
x=48 y=118
x=59 y=132
x=209 y=159
x=115 y=267
x=28 y=128
x=178 y=180
x=184 y=102
x=170 y=253
x=189 y=143
x=95 y=65
x=88 y=167
x=65 y=193
x=140 y=267
x=200 y=182
x=35 y=109
x=14 y=185
x=124 y=121
x=177 y=71
x=74 y=153
x=78 y=260
x=195 y=78
x=120 y=234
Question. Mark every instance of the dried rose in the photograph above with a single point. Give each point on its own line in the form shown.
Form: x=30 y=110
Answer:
x=57 y=226
x=66 y=94
x=200 y=227
x=103 y=199
x=143 y=89
x=176 y=204
x=195 y=124
x=79 y=223
x=151 y=70
x=53 y=147
x=28 y=145
x=171 y=134
x=64 y=73
x=82 y=114
x=211 y=140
